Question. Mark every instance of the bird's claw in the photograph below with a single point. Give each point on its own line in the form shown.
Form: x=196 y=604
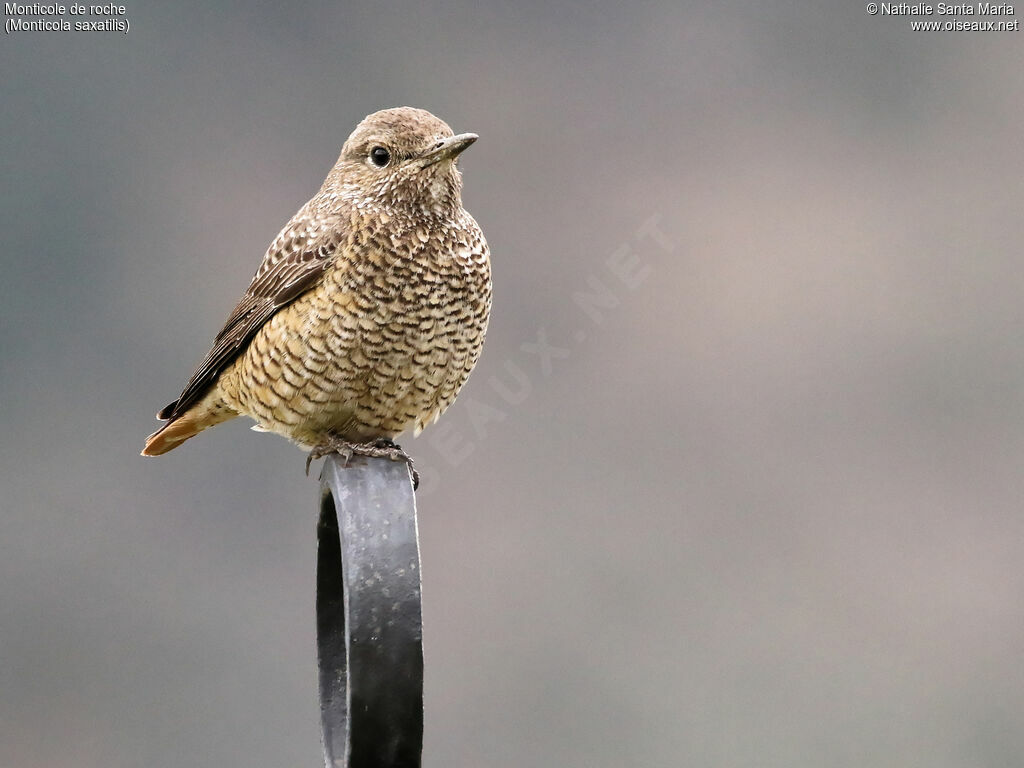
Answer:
x=382 y=447
x=342 y=449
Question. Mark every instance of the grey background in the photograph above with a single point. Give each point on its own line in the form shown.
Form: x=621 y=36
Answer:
x=766 y=512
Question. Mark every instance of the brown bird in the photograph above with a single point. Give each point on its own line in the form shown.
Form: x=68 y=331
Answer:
x=369 y=310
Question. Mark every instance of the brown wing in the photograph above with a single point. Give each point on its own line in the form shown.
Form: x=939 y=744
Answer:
x=294 y=263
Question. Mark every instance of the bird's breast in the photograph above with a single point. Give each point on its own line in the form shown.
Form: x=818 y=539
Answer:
x=382 y=344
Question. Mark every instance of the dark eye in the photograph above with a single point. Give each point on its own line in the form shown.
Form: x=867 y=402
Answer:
x=380 y=156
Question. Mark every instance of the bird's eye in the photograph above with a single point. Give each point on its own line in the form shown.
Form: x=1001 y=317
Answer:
x=380 y=156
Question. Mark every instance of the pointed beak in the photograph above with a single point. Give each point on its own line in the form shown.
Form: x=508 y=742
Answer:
x=448 y=148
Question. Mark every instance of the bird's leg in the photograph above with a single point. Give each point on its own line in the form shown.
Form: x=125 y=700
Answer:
x=382 y=447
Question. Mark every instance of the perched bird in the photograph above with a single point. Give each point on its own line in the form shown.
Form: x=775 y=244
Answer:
x=368 y=311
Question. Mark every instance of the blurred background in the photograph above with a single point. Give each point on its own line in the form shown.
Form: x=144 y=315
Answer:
x=737 y=480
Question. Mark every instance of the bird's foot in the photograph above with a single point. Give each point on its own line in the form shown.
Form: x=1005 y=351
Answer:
x=382 y=447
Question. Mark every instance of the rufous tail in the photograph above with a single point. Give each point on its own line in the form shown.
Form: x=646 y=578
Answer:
x=202 y=415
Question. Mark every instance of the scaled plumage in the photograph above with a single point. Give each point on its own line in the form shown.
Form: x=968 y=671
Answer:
x=369 y=310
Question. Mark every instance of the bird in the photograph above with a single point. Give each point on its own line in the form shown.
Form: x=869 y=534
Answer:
x=368 y=312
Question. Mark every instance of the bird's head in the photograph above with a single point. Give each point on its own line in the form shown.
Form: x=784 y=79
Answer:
x=402 y=158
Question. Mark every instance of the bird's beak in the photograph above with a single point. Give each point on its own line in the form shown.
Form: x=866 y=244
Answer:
x=448 y=148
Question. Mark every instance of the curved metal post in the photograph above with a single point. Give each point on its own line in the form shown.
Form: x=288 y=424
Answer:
x=369 y=630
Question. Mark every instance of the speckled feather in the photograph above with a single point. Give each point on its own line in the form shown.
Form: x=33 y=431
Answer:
x=369 y=309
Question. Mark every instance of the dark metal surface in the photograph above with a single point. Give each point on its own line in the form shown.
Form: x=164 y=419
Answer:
x=369 y=631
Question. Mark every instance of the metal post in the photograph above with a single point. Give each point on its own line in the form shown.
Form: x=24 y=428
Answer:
x=369 y=629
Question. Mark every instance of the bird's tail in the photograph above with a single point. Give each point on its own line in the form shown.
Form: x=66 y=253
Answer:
x=203 y=415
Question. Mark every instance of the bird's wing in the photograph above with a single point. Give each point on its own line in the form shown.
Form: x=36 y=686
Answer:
x=294 y=263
